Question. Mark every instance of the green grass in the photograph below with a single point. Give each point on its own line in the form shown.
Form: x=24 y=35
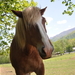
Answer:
x=5 y=65
x=61 y=65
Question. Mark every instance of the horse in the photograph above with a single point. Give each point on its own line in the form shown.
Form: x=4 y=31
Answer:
x=30 y=44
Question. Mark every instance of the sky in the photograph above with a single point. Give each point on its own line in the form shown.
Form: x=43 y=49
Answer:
x=57 y=22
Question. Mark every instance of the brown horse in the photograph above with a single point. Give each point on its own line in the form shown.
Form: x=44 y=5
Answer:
x=30 y=43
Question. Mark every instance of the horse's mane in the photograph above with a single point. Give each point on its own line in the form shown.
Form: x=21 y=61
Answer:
x=31 y=15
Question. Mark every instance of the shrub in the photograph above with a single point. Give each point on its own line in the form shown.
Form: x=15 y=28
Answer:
x=4 y=59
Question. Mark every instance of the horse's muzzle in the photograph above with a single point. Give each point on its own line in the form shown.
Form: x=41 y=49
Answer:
x=45 y=53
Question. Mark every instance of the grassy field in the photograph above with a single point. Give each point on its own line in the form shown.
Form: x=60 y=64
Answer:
x=61 y=65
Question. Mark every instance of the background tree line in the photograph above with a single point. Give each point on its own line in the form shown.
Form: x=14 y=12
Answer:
x=64 y=45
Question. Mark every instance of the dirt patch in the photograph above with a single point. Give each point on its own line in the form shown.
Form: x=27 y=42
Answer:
x=72 y=58
x=7 y=71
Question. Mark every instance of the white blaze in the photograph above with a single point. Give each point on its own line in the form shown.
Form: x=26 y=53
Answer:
x=45 y=38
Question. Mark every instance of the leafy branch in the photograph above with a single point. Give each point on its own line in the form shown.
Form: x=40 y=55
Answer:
x=70 y=6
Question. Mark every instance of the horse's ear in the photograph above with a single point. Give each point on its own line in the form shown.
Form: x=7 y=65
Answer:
x=43 y=10
x=18 y=13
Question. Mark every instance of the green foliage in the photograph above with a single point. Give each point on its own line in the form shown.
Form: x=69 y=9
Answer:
x=60 y=46
x=8 y=20
x=69 y=48
x=52 y=0
x=64 y=45
x=70 y=6
x=4 y=59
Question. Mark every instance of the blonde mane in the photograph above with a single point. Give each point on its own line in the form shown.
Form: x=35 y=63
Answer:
x=31 y=15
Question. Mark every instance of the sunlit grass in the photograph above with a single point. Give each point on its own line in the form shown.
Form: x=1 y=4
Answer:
x=61 y=65
x=5 y=65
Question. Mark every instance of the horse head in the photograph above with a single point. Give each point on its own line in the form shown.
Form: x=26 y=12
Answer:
x=30 y=29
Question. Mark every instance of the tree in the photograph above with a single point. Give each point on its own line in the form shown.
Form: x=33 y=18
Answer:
x=72 y=42
x=70 y=6
x=69 y=48
x=7 y=20
x=60 y=46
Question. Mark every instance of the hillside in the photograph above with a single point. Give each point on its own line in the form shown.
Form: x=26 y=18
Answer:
x=69 y=34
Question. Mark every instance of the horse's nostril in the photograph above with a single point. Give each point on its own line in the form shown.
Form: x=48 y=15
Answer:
x=43 y=48
x=43 y=54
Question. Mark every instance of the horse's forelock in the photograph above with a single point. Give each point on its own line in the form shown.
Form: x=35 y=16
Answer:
x=31 y=15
